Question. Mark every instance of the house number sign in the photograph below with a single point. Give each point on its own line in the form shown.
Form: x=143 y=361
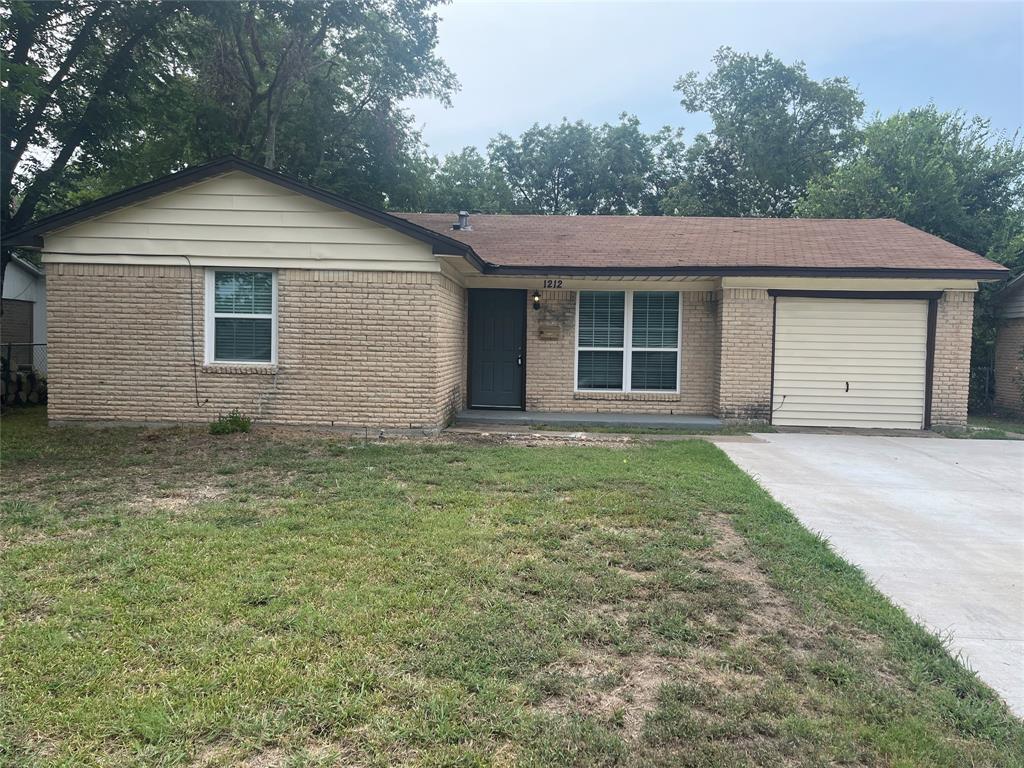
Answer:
x=552 y=283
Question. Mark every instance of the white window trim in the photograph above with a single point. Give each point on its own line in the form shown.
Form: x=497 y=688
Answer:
x=627 y=348
x=210 y=317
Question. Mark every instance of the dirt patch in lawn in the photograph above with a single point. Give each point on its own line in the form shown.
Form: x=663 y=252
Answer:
x=737 y=653
x=177 y=499
x=620 y=690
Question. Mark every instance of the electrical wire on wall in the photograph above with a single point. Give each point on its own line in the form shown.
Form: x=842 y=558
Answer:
x=192 y=319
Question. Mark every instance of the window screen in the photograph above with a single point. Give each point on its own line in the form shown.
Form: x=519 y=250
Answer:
x=655 y=328
x=243 y=316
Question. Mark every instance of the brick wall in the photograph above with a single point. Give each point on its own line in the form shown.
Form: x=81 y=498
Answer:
x=744 y=353
x=951 y=370
x=450 y=319
x=1009 y=369
x=354 y=349
x=551 y=360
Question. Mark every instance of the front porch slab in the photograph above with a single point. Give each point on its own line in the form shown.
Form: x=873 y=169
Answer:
x=483 y=417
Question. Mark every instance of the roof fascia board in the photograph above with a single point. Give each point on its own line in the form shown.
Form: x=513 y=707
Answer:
x=751 y=271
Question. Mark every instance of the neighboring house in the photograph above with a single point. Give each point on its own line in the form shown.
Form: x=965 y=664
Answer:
x=23 y=324
x=230 y=286
x=1009 y=362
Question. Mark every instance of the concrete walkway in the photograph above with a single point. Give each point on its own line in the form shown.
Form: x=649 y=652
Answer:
x=607 y=419
x=938 y=525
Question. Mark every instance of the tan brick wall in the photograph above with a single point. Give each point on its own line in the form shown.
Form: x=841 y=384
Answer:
x=550 y=361
x=744 y=341
x=951 y=369
x=1009 y=370
x=354 y=349
x=452 y=306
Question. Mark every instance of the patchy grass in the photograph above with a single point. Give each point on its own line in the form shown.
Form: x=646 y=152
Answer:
x=289 y=598
x=986 y=428
x=1002 y=423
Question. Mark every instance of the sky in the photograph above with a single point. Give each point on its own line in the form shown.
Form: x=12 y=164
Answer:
x=524 y=62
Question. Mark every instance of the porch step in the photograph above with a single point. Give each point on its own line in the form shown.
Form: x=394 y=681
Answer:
x=484 y=417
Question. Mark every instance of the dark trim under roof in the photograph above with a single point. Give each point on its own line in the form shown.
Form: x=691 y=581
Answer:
x=754 y=271
x=30 y=235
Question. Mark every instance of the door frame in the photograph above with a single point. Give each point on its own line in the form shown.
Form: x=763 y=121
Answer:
x=469 y=350
x=932 y=297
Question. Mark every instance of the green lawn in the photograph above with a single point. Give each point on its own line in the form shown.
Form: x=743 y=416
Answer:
x=276 y=598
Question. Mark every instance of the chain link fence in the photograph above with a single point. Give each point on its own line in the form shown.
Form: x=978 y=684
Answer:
x=22 y=374
x=24 y=357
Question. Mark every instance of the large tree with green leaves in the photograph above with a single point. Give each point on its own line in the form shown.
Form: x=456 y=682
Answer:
x=102 y=95
x=566 y=168
x=71 y=69
x=774 y=130
x=938 y=171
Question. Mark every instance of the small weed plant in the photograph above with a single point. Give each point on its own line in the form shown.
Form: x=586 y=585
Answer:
x=235 y=421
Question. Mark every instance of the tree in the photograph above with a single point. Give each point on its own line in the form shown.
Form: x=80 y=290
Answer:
x=549 y=169
x=466 y=181
x=774 y=129
x=943 y=173
x=71 y=68
x=102 y=95
x=636 y=168
x=940 y=172
x=568 y=168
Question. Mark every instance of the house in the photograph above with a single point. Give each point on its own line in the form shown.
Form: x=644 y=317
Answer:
x=230 y=286
x=1009 y=359
x=23 y=326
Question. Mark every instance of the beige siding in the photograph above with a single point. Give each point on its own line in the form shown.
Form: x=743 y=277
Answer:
x=850 y=363
x=238 y=217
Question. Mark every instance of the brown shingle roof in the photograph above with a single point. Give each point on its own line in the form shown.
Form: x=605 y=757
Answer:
x=705 y=245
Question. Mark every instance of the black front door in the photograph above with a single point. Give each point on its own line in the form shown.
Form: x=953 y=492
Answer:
x=496 y=355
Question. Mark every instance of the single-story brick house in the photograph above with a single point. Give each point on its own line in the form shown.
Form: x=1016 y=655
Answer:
x=1009 y=359
x=230 y=286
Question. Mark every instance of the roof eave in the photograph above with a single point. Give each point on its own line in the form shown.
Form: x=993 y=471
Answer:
x=751 y=271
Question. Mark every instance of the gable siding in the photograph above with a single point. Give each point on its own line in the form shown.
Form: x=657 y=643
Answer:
x=235 y=217
x=1012 y=305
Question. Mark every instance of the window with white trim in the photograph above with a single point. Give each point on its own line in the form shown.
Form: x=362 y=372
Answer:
x=241 y=316
x=627 y=341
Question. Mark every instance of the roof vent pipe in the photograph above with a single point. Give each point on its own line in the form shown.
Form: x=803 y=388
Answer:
x=463 y=222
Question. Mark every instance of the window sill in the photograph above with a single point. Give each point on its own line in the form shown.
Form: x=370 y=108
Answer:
x=241 y=368
x=628 y=396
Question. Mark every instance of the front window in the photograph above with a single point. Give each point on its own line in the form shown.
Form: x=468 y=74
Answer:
x=628 y=341
x=241 y=308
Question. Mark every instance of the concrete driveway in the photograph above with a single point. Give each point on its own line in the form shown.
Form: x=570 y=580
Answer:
x=936 y=524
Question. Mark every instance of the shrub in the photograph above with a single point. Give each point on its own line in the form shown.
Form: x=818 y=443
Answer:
x=236 y=421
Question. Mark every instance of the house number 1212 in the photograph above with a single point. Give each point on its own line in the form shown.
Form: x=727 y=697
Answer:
x=552 y=283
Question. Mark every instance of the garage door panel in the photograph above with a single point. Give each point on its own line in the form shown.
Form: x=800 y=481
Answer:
x=876 y=346
x=845 y=357
x=855 y=423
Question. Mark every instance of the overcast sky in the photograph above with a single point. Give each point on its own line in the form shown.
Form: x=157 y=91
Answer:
x=525 y=62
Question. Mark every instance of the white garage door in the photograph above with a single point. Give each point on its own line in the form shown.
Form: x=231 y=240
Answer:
x=850 y=363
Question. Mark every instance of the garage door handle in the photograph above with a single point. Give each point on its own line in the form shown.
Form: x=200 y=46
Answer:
x=847 y=386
